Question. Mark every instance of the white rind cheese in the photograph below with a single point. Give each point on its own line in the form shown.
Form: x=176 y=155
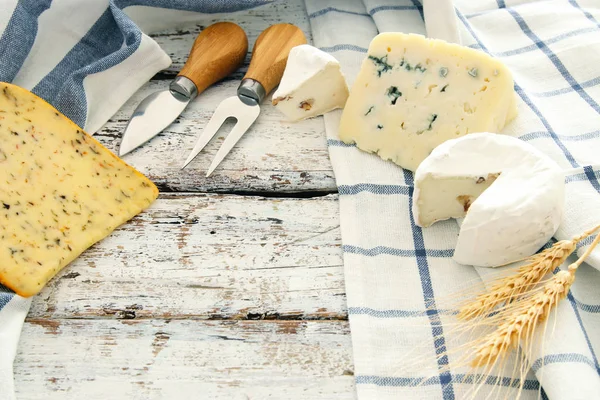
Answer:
x=510 y=194
x=413 y=93
x=312 y=84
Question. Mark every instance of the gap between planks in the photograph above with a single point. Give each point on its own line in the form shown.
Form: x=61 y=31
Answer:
x=309 y=194
x=209 y=257
x=274 y=156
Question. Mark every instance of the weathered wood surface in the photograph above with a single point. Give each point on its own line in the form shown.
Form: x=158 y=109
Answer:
x=273 y=156
x=210 y=257
x=184 y=359
x=206 y=296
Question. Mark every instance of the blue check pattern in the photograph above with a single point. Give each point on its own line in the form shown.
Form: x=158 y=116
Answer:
x=399 y=275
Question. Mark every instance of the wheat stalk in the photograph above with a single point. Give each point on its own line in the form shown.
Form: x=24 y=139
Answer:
x=522 y=320
x=506 y=290
x=523 y=315
x=511 y=316
x=576 y=264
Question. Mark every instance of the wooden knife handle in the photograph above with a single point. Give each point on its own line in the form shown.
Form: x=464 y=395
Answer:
x=218 y=50
x=270 y=54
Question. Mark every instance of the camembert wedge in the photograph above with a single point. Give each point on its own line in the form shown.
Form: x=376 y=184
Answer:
x=312 y=84
x=60 y=191
x=413 y=93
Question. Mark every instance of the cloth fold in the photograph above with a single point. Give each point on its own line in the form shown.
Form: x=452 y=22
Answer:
x=13 y=310
x=398 y=276
x=86 y=58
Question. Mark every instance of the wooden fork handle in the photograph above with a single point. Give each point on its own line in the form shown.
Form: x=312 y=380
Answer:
x=219 y=50
x=270 y=54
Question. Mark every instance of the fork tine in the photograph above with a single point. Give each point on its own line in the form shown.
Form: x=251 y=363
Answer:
x=219 y=116
x=246 y=115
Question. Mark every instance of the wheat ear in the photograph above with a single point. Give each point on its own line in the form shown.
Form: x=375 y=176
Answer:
x=521 y=319
x=507 y=289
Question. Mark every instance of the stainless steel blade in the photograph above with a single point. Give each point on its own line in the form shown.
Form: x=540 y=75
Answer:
x=246 y=114
x=152 y=115
x=231 y=107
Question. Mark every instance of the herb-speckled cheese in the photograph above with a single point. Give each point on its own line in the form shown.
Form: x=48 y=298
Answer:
x=413 y=93
x=60 y=191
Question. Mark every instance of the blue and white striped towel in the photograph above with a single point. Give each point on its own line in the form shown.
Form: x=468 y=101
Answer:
x=394 y=270
x=86 y=58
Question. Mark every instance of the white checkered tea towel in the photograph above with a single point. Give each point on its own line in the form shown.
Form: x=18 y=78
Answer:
x=397 y=275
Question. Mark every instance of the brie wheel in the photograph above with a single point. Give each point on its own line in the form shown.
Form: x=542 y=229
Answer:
x=510 y=194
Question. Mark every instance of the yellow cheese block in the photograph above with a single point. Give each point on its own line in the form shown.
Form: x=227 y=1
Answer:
x=60 y=191
x=414 y=93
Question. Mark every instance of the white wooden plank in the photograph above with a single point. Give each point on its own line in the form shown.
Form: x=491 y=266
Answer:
x=273 y=155
x=184 y=359
x=209 y=256
x=127 y=319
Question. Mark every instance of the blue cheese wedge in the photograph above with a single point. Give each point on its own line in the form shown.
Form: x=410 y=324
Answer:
x=413 y=93
x=60 y=191
x=312 y=84
x=510 y=195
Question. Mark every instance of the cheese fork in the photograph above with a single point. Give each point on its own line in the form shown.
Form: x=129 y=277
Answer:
x=269 y=58
x=218 y=51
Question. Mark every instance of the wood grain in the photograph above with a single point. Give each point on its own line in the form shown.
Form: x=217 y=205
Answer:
x=162 y=359
x=210 y=257
x=270 y=54
x=205 y=296
x=218 y=50
x=273 y=156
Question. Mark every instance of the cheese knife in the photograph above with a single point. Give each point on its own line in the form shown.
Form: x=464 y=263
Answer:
x=269 y=58
x=218 y=50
